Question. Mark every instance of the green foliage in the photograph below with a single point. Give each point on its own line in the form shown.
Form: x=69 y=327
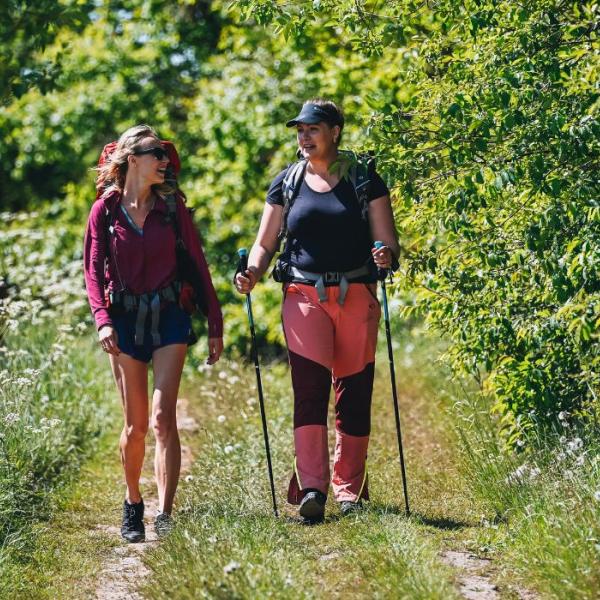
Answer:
x=483 y=116
x=26 y=28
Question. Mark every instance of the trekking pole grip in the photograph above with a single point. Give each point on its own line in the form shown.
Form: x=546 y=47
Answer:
x=380 y=272
x=243 y=254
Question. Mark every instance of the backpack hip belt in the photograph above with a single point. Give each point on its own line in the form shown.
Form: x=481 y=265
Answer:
x=323 y=280
x=149 y=301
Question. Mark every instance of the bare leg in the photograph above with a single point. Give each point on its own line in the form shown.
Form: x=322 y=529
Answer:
x=168 y=364
x=131 y=377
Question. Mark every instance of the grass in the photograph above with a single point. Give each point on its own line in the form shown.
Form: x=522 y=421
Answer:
x=228 y=544
x=534 y=513
x=53 y=411
x=544 y=504
x=539 y=529
x=70 y=547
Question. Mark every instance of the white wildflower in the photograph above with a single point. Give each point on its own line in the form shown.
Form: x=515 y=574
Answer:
x=574 y=445
x=597 y=495
x=562 y=415
x=11 y=418
x=221 y=418
x=189 y=478
x=222 y=375
x=228 y=449
x=251 y=401
x=520 y=472
x=523 y=474
x=231 y=567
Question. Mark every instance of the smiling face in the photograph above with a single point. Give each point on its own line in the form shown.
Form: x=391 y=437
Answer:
x=150 y=161
x=317 y=141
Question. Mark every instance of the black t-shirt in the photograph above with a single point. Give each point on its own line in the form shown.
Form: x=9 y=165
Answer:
x=325 y=229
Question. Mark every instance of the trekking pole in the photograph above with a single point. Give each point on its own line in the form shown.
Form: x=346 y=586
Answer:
x=393 y=378
x=243 y=254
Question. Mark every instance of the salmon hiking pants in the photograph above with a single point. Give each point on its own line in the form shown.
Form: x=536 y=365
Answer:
x=331 y=344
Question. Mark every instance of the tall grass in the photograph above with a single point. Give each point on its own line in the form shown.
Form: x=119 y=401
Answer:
x=546 y=497
x=52 y=411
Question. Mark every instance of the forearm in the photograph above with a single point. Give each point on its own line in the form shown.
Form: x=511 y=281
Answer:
x=259 y=260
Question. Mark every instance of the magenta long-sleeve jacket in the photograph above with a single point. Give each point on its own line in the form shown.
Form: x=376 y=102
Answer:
x=140 y=261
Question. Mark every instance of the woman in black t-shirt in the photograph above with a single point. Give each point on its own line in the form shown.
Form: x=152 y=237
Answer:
x=330 y=308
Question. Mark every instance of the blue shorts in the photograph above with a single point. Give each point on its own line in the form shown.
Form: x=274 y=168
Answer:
x=174 y=327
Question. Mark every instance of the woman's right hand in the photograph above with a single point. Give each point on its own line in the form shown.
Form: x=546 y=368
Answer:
x=108 y=340
x=244 y=282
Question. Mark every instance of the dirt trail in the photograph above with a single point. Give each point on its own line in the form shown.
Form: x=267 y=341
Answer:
x=124 y=569
x=474 y=581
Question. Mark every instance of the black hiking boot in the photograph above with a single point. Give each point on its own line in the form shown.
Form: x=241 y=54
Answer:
x=347 y=507
x=312 y=507
x=132 y=529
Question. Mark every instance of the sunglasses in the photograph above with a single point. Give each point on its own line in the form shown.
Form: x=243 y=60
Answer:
x=158 y=153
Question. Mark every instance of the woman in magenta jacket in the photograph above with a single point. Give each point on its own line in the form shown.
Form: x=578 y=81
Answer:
x=136 y=299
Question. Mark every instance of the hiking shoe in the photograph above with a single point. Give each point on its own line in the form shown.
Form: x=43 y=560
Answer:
x=312 y=507
x=132 y=529
x=348 y=507
x=163 y=525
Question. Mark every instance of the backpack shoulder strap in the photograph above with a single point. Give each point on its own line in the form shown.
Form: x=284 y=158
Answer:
x=171 y=202
x=290 y=188
x=292 y=181
x=110 y=209
x=361 y=176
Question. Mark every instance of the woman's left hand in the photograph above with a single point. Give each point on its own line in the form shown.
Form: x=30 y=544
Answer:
x=382 y=257
x=215 y=347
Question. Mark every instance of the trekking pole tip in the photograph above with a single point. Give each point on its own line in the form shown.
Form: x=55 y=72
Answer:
x=242 y=252
x=378 y=244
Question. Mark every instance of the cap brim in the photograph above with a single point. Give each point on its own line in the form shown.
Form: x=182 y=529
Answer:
x=309 y=119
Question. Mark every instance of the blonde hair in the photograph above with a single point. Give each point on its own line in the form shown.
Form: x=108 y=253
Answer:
x=112 y=174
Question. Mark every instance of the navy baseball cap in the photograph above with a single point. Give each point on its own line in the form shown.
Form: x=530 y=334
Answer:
x=314 y=113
